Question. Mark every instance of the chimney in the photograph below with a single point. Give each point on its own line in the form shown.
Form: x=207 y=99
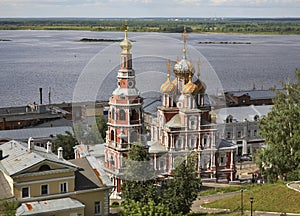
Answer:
x=49 y=147
x=60 y=153
x=41 y=95
x=30 y=143
x=1 y=154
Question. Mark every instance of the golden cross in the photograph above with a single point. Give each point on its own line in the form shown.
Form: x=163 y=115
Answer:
x=169 y=68
x=184 y=35
x=199 y=63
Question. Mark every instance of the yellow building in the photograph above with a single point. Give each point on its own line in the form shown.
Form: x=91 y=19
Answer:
x=46 y=184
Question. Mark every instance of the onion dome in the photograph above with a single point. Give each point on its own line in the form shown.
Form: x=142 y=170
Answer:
x=184 y=68
x=201 y=87
x=168 y=87
x=126 y=44
x=190 y=87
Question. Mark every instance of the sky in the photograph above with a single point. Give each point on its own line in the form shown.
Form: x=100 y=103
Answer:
x=150 y=8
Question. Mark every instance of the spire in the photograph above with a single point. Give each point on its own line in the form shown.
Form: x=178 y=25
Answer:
x=184 y=35
x=125 y=44
x=199 y=63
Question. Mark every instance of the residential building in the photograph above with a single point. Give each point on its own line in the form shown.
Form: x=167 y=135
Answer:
x=45 y=183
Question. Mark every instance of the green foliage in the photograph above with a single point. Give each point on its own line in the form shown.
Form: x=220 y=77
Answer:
x=67 y=142
x=281 y=131
x=229 y=25
x=135 y=208
x=183 y=188
x=138 y=184
x=267 y=197
x=91 y=135
x=8 y=207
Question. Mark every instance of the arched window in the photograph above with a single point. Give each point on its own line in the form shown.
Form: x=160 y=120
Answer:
x=112 y=135
x=112 y=113
x=44 y=168
x=256 y=118
x=134 y=115
x=229 y=119
x=122 y=115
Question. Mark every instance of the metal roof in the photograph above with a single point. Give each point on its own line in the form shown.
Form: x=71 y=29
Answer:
x=174 y=122
x=17 y=157
x=254 y=94
x=48 y=206
x=21 y=134
x=239 y=114
x=86 y=177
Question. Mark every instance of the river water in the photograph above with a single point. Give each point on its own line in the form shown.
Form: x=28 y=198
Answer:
x=87 y=70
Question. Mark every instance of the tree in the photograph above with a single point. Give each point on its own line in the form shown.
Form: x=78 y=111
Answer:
x=67 y=142
x=149 y=209
x=8 y=207
x=138 y=184
x=183 y=188
x=281 y=131
x=94 y=134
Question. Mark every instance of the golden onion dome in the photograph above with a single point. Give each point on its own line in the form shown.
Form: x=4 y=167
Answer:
x=167 y=87
x=190 y=87
x=201 y=87
x=126 y=44
x=184 y=68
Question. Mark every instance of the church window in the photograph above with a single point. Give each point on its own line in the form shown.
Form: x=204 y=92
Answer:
x=223 y=159
x=179 y=143
x=256 y=118
x=113 y=113
x=229 y=119
x=255 y=133
x=239 y=135
x=112 y=135
x=133 y=136
x=122 y=115
x=129 y=63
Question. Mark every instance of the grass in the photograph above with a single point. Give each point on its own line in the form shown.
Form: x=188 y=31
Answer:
x=267 y=197
x=221 y=190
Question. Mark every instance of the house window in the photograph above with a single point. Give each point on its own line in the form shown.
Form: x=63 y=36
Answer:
x=97 y=208
x=25 y=192
x=44 y=189
x=63 y=187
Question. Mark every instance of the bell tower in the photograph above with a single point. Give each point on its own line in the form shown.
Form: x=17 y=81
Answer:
x=125 y=117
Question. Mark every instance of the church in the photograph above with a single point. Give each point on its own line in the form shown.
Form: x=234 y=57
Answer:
x=183 y=124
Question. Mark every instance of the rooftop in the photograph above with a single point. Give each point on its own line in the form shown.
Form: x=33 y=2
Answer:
x=49 y=206
x=21 y=134
x=18 y=158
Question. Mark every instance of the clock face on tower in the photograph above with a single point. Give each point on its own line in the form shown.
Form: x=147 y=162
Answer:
x=130 y=83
